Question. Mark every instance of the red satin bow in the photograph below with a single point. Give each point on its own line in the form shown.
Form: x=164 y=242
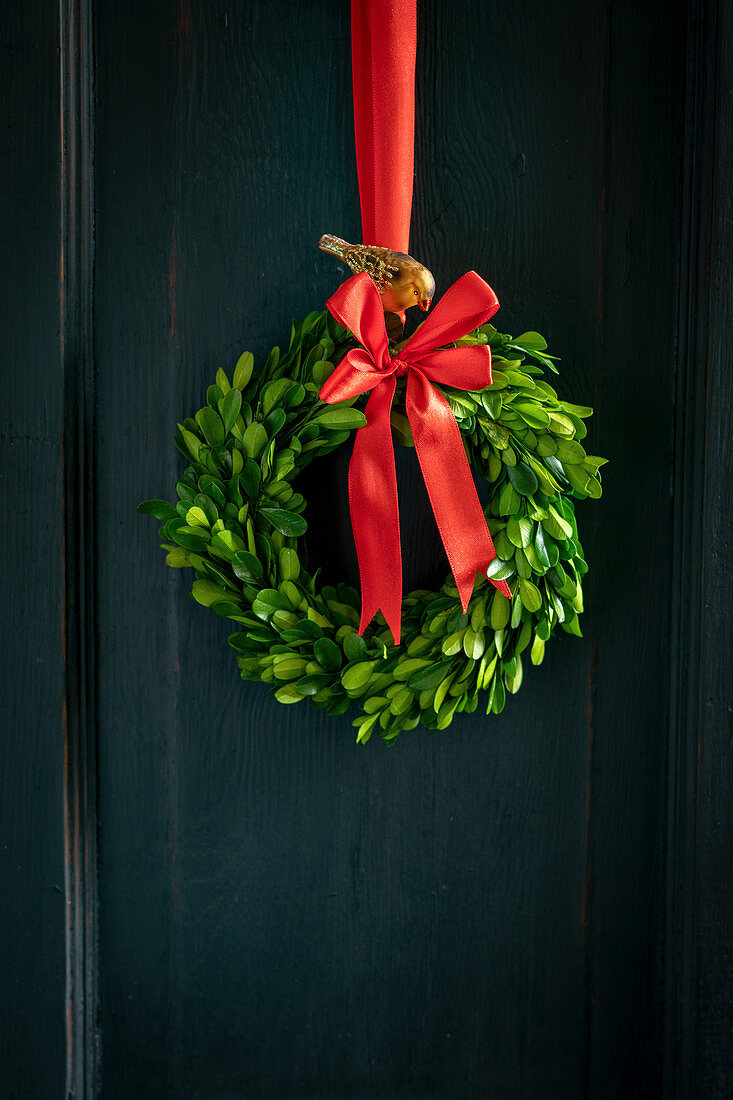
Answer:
x=372 y=480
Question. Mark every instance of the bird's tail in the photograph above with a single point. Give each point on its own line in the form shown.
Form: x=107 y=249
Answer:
x=334 y=245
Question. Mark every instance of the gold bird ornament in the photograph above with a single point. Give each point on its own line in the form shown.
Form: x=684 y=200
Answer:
x=400 y=280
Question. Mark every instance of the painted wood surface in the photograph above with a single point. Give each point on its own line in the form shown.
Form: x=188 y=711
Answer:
x=467 y=914
x=493 y=911
x=704 y=985
x=32 y=642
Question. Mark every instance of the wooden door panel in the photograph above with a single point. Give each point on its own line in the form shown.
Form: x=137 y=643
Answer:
x=467 y=913
x=532 y=906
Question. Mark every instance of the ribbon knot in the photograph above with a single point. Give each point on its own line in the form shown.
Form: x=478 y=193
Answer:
x=425 y=359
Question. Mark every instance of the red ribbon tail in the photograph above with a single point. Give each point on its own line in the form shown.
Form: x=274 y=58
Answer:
x=375 y=516
x=447 y=475
x=501 y=586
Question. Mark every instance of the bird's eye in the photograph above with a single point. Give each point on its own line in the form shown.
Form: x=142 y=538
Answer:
x=415 y=293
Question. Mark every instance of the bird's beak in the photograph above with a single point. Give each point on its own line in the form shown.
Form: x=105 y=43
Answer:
x=424 y=304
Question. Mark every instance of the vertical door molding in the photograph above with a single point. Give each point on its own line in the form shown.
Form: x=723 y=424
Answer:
x=701 y=622
x=77 y=351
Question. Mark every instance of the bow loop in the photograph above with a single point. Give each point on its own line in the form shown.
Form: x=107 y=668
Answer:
x=468 y=303
x=356 y=305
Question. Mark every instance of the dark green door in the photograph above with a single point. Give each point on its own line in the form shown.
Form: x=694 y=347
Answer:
x=211 y=895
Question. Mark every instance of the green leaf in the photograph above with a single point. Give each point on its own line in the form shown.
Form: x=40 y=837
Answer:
x=213 y=489
x=593 y=488
x=405 y=669
x=321 y=371
x=492 y=403
x=545 y=548
x=354 y=646
x=177 y=558
x=243 y=370
x=509 y=499
x=272 y=360
x=247 y=567
x=192 y=442
x=211 y=426
x=228 y=542
x=273 y=392
x=516 y=614
x=514 y=678
x=577 y=477
x=338 y=419
x=474 y=643
x=461 y=405
x=537 y=651
x=530 y=341
x=523 y=478
x=312 y=684
x=521 y=563
x=268 y=601
x=328 y=654
x=497 y=696
x=294 y=396
x=427 y=678
x=546 y=445
x=190 y=539
x=208 y=593
x=499 y=570
x=582 y=411
x=561 y=424
x=229 y=408
x=556 y=526
x=572 y=626
x=274 y=422
x=213 y=396
x=161 y=509
x=196 y=517
x=366 y=724
x=289 y=564
x=226 y=609
x=534 y=415
x=530 y=596
x=500 y=611
x=288 y=694
x=355 y=677
x=254 y=440
x=519 y=531
x=453 y=643
x=207 y=506
x=250 y=478
x=568 y=450
x=288 y=523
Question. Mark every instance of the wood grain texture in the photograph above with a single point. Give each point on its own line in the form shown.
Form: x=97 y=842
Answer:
x=709 y=814
x=689 y=610
x=470 y=914
x=32 y=955
x=535 y=907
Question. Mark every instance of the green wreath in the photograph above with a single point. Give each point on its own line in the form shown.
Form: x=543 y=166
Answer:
x=239 y=524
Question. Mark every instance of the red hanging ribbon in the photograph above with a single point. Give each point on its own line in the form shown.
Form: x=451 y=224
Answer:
x=383 y=48
x=356 y=305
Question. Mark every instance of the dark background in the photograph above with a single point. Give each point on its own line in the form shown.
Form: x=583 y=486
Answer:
x=209 y=895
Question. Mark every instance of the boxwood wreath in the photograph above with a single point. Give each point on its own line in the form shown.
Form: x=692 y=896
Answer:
x=239 y=523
